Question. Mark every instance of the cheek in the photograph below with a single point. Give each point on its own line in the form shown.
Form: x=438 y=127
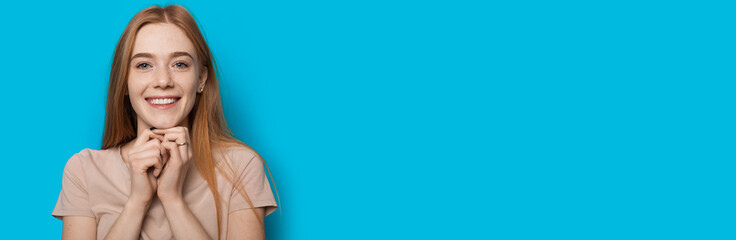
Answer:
x=187 y=83
x=135 y=89
x=135 y=83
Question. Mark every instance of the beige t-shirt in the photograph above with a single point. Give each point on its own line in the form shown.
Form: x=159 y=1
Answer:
x=96 y=183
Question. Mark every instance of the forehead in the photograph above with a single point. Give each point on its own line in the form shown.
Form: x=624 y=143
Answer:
x=161 y=39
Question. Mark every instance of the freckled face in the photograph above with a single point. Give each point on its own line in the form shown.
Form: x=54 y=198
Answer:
x=164 y=75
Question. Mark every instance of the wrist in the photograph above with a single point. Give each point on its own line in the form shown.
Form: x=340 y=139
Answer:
x=172 y=201
x=137 y=205
x=173 y=205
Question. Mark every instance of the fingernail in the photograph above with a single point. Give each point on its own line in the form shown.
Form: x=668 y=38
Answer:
x=153 y=128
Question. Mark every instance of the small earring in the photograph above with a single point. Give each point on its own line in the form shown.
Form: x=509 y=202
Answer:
x=201 y=89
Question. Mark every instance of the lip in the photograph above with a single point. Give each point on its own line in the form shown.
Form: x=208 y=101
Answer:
x=162 y=96
x=163 y=107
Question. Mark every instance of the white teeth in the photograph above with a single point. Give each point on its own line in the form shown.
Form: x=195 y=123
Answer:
x=162 y=101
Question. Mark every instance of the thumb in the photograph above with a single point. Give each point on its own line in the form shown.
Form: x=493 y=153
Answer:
x=152 y=180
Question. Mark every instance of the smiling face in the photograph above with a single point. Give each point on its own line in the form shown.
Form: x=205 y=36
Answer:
x=164 y=77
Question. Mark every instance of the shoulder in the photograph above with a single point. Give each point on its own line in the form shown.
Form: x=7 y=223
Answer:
x=87 y=156
x=239 y=156
x=79 y=159
x=77 y=163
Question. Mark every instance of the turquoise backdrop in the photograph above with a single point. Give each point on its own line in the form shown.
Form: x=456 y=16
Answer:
x=417 y=119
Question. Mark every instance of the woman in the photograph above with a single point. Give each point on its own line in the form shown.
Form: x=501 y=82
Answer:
x=169 y=167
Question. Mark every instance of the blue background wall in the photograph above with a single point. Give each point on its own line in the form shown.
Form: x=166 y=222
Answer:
x=417 y=119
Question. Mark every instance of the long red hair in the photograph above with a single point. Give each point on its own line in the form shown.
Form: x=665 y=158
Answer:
x=209 y=132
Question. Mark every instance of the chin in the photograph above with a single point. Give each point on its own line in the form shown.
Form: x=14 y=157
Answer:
x=163 y=124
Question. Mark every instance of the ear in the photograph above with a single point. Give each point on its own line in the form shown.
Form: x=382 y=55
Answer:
x=202 y=77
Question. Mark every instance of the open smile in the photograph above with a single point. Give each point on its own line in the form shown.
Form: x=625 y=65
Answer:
x=163 y=102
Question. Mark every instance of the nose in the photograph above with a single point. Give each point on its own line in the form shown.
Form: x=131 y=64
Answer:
x=163 y=79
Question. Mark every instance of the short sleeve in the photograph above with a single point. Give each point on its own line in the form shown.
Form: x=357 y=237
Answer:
x=73 y=199
x=251 y=174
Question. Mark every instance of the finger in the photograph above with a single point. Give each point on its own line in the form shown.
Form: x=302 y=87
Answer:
x=183 y=130
x=150 y=153
x=157 y=166
x=134 y=157
x=164 y=153
x=179 y=132
x=184 y=150
x=177 y=137
x=147 y=161
x=171 y=130
x=156 y=151
x=173 y=150
x=151 y=144
x=146 y=136
x=161 y=148
x=152 y=180
x=143 y=137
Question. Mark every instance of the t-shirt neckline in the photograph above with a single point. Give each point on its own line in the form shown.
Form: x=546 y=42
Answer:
x=120 y=160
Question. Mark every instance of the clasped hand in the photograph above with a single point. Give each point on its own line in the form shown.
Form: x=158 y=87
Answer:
x=158 y=161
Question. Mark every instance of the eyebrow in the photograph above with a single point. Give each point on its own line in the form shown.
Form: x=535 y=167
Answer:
x=172 y=55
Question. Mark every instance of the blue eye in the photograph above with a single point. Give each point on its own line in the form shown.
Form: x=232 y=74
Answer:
x=143 y=65
x=181 y=65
